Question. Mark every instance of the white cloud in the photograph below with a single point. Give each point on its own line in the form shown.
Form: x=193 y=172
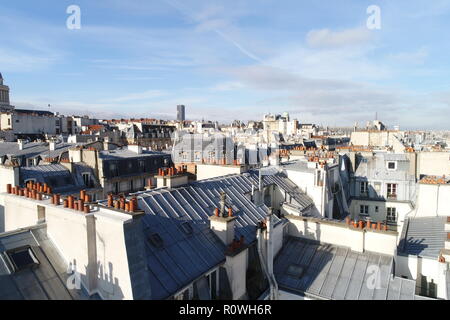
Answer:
x=325 y=38
x=416 y=57
x=146 y=95
x=228 y=86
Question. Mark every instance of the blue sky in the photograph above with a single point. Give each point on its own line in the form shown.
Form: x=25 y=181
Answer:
x=229 y=60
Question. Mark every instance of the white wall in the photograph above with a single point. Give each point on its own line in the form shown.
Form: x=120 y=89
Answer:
x=8 y=175
x=340 y=234
x=31 y=124
x=433 y=163
x=306 y=182
x=402 y=209
x=236 y=267
x=20 y=212
x=206 y=171
x=413 y=267
x=93 y=242
x=433 y=200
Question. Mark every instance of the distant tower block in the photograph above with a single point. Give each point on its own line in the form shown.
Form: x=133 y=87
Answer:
x=181 y=112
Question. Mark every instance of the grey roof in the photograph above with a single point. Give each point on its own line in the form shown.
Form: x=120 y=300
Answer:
x=423 y=237
x=46 y=281
x=183 y=257
x=59 y=177
x=34 y=149
x=374 y=168
x=198 y=200
x=125 y=153
x=333 y=272
x=301 y=166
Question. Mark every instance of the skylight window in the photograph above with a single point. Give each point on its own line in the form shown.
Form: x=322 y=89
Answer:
x=156 y=240
x=295 y=271
x=22 y=258
x=187 y=228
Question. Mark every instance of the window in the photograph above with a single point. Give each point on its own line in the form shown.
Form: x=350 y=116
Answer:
x=377 y=209
x=392 y=165
x=116 y=187
x=87 y=179
x=392 y=191
x=364 y=210
x=131 y=185
x=364 y=188
x=156 y=240
x=294 y=271
x=113 y=169
x=22 y=258
x=391 y=215
x=142 y=165
x=187 y=228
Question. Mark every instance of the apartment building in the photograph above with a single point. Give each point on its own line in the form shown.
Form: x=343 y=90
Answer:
x=383 y=188
x=123 y=170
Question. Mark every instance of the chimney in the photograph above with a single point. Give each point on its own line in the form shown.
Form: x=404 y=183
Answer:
x=52 y=145
x=135 y=148
x=21 y=144
x=223 y=224
x=106 y=144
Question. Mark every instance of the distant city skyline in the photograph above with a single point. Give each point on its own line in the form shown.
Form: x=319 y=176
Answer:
x=231 y=60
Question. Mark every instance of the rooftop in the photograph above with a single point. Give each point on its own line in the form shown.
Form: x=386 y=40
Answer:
x=423 y=237
x=435 y=180
x=375 y=167
x=33 y=149
x=44 y=278
x=327 y=271
x=59 y=177
x=125 y=153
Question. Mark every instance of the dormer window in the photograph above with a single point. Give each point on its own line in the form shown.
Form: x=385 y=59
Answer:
x=392 y=165
x=22 y=258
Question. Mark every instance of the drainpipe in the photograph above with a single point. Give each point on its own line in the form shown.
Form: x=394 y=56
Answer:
x=437 y=200
x=267 y=264
x=324 y=188
x=260 y=181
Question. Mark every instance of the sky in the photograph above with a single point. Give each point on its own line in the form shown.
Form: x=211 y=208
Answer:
x=232 y=60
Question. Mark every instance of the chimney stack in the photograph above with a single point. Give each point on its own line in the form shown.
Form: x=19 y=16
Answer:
x=135 y=148
x=52 y=145
x=21 y=144
x=223 y=224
